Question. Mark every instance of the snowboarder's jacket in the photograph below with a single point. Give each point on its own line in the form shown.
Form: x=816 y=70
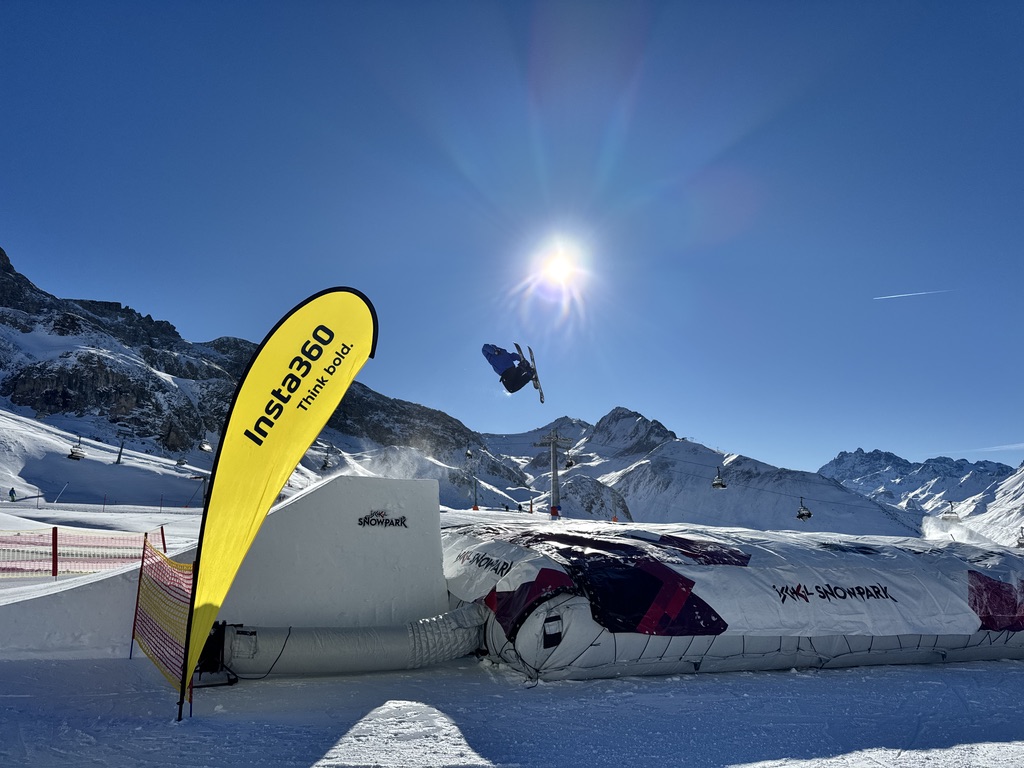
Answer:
x=513 y=377
x=500 y=359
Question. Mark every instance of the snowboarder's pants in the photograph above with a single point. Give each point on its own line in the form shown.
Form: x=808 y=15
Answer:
x=515 y=378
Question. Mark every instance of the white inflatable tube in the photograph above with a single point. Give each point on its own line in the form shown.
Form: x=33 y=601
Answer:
x=258 y=651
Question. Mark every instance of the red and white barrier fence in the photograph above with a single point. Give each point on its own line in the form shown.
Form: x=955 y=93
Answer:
x=60 y=551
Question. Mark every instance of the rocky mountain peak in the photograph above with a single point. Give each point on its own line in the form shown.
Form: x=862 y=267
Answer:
x=630 y=431
x=926 y=485
x=18 y=292
x=861 y=464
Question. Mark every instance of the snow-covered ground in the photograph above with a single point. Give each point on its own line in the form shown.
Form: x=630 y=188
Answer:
x=121 y=712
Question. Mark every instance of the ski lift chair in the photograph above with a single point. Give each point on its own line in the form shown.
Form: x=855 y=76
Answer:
x=77 y=451
x=803 y=513
x=718 y=482
x=949 y=514
x=327 y=459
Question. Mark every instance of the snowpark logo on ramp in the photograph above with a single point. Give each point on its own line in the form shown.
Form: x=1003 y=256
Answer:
x=379 y=517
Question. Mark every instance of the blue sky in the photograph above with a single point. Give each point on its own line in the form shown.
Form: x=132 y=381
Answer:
x=735 y=185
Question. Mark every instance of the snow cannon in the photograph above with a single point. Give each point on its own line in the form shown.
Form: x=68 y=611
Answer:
x=593 y=600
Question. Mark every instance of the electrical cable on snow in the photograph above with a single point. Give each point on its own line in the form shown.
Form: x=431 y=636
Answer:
x=267 y=673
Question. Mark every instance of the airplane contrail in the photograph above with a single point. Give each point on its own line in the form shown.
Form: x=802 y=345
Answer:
x=904 y=295
x=1010 y=447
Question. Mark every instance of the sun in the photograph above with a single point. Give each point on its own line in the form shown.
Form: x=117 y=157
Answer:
x=557 y=269
x=560 y=262
x=554 y=290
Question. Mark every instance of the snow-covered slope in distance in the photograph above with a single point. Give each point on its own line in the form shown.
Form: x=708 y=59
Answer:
x=663 y=478
x=984 y=496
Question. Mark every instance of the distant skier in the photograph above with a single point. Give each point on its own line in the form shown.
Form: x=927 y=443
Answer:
x=13 y=495
x=514 y=371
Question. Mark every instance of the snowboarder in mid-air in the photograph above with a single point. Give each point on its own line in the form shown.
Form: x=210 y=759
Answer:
x=512 y=367
x=514 y=371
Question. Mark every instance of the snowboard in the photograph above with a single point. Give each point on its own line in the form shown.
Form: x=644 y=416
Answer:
x=533 y=364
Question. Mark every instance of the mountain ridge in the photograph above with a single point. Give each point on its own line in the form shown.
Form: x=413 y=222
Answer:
x=929 y=485
x=104 y=368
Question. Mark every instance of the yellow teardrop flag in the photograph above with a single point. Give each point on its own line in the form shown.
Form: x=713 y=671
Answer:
x=293 y=384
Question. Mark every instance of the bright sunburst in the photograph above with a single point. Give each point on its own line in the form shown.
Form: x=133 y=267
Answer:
x=553 y=292
x=559 y=262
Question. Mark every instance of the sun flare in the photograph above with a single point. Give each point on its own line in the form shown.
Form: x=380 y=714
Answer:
x=560 y=262
x=557 y=269
x=556 y=284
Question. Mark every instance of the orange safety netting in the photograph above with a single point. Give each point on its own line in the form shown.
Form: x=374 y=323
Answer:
x=161 y=612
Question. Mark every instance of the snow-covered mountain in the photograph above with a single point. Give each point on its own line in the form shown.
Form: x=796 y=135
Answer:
x=927 y=485
x=109 y=376
x=101 y=359
x=664 y=478
x=987 y=495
